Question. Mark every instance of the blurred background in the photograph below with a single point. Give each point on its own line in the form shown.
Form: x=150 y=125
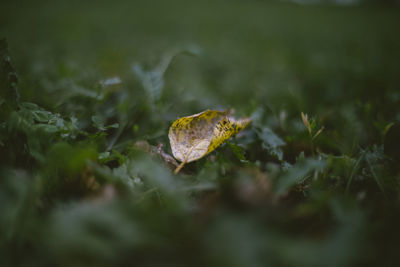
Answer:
x=100 y=82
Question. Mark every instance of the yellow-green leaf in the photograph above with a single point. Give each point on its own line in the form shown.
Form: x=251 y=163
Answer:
x=195 y=136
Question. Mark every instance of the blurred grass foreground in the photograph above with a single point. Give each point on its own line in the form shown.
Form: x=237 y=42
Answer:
x=88 y=90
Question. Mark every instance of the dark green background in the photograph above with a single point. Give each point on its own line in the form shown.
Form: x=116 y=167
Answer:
x=330 y=201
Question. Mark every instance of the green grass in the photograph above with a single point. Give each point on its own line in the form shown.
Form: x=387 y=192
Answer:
x=82 y=181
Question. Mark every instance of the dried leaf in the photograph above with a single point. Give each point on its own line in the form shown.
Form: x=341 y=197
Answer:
x=195 y=136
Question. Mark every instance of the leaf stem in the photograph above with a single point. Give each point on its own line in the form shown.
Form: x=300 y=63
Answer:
x=176 y=171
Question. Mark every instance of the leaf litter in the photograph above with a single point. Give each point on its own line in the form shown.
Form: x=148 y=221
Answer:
x=195 y=136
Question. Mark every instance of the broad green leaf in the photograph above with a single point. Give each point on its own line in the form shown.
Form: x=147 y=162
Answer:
x=153 y=80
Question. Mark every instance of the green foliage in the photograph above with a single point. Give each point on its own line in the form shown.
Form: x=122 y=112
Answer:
x=298 y=173
x=271 y=142
x=9 y=94
x=88 y=93
x=238 y=151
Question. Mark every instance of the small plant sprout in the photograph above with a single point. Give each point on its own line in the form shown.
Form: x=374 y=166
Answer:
x=311 y=126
